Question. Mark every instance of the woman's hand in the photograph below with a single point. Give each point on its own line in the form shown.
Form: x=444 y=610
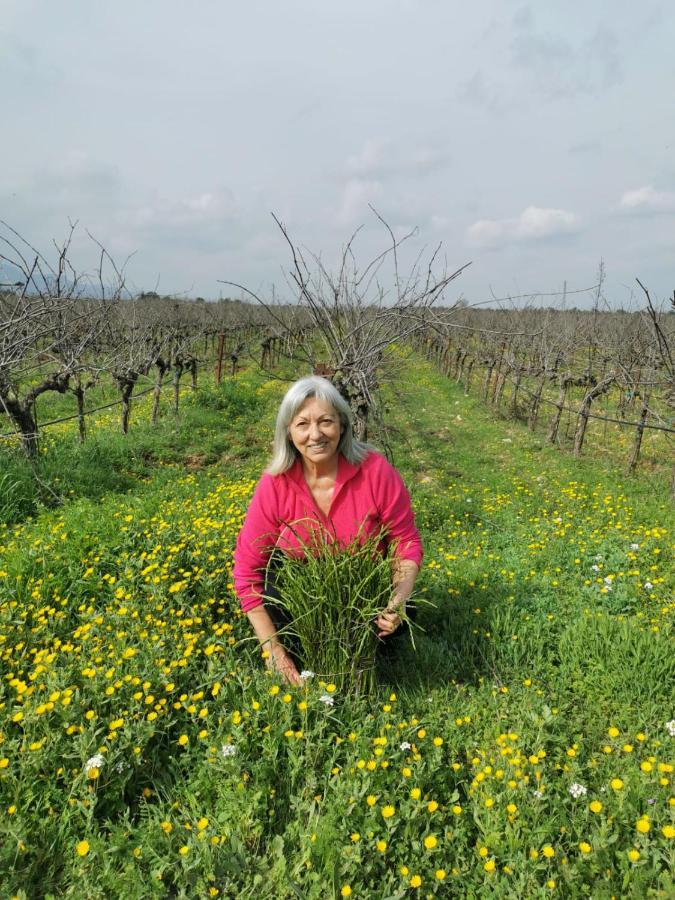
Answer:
x=388 y=621
x=279 y=660
x=404 y=574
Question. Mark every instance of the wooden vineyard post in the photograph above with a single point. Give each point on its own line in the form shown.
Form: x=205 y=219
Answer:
x=467 y=375
x=79 y=396
x=178 y=368
x=157 y=391
x=520 y=371
x=639 y=431
x=536 y=400
x=500 y=381
x=126 y=386
x=584 y=412
x=219 y=359
x=460 y=366
x=564 y=383
x=490 y=364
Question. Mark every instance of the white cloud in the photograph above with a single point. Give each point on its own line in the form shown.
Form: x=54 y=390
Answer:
x=356 y=195
x=380 y=158
x=211 y=207
x=648 y=200
x=369 y=159
x=387 y=171
x=533 y=224
x=439 y=221
x=486 y=233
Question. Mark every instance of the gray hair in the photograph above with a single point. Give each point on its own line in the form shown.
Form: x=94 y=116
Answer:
x=284 y=453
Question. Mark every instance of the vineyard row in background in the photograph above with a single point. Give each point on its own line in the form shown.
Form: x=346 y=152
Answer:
x=627 y=390
x=135 y=346
x=598 y=365
x=614 y=378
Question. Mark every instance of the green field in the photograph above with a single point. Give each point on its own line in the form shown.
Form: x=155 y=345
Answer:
x=524 y=749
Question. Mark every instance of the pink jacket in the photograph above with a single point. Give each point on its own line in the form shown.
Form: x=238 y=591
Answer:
x=365 y=498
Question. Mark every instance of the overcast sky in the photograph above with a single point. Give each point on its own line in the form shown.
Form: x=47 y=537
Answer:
x=533 y=140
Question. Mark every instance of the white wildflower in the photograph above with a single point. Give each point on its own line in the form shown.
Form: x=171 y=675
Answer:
x=307 y=673
x=634 y=546
x=96 y=762
x=670 y=727
x=404 y=745
x=538 y=794
x=327 y=699
x=578 y=790
x=228 y=750
x=595 y=568
x=648 y=586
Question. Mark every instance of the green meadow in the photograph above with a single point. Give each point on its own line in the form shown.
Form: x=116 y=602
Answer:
x=522 y=748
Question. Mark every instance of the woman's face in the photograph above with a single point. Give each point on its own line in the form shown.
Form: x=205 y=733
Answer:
x=315 y=431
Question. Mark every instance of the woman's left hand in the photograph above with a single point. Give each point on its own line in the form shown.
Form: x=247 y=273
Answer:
x=388 y=621
x=405 y=572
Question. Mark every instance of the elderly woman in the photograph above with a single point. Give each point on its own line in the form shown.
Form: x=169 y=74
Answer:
x=321 y=477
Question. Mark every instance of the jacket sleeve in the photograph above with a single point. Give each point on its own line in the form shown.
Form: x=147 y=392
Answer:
x=396 y=513
x=255 y=542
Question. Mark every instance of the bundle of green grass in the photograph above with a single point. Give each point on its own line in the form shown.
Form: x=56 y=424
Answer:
x=330 y=596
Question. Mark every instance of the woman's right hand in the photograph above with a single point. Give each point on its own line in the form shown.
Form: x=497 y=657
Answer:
x=279 y=660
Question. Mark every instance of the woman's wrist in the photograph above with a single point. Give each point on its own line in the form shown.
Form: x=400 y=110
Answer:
x=263 y=626
x=397 y=603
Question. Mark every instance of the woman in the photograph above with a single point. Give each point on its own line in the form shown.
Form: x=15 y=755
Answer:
x=321 y=474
